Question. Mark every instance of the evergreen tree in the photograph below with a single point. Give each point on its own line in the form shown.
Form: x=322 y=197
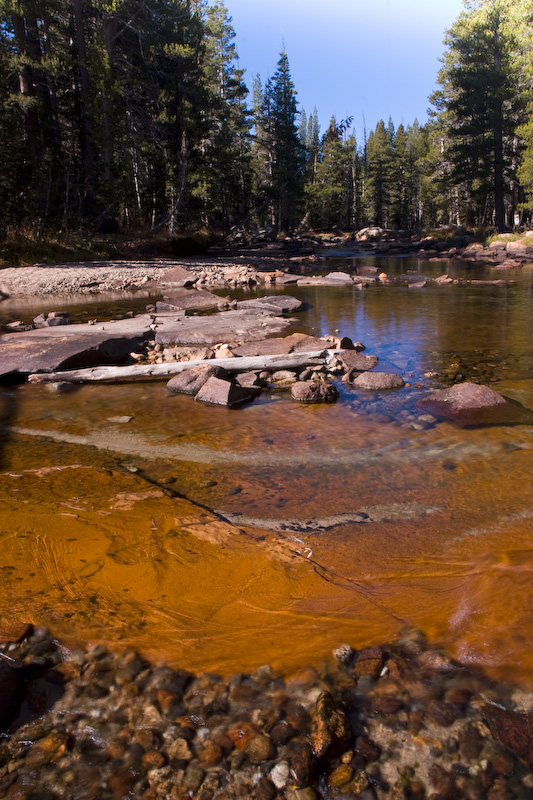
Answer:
x=479 y=104
x=286 y=150
x=380 y=176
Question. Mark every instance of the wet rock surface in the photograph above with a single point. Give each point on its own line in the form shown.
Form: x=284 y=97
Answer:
x=94 y=724
x=469 y=404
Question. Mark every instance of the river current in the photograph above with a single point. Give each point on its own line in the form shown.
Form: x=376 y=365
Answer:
x=221 y=540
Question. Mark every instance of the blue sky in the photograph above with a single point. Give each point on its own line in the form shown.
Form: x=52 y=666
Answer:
x=371 y=58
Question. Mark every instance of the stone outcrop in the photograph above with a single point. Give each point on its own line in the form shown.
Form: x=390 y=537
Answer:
x=71 y=346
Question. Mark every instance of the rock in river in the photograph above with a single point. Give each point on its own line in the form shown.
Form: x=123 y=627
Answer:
x=377 y=381
x=472 y=404
x=223 y=392
x=191 y=380
x=314 y=392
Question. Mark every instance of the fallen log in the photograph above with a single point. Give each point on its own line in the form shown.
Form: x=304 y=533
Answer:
x=155 y=371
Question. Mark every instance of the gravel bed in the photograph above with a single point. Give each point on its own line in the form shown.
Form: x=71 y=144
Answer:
x=396 y=721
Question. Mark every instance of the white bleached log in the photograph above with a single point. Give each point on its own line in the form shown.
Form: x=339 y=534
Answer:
x=155 y=371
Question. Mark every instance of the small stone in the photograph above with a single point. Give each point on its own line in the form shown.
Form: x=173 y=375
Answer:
x=279 y=775
x=241 y=733
x=330 y=731
x=259 y=749
x=179 y=750
x=470 y=743
x=384 y=704
x=282 y=732
x=307 y=793
x=340 y=776
x=514 y=731
x=369 y=662
x=302 y=765
x=193 y=777
x=153 y=759
x=211 y=755
x=343 y=654
x=47 y=750
x=443 y=782
x=265 y=789
x=368 y=749
x=122 y=781
x=443 y=714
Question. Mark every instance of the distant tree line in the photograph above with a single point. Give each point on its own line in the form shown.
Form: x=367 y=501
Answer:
x=133 y=115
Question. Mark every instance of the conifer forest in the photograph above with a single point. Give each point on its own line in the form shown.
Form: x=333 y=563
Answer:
x=133 y=115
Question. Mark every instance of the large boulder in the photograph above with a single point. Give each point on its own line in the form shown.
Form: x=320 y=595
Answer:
x=473 y=404
x=373 y=234
x=222 y=392
x=353 y=360
x=190 y=381
x=378 y=381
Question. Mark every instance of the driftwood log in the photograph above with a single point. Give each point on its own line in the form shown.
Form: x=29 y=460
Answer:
x=155 y=371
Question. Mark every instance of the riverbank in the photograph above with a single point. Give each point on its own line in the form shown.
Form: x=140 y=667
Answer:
x=399 y=720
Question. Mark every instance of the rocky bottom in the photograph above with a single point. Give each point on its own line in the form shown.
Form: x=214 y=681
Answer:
x=400 y=720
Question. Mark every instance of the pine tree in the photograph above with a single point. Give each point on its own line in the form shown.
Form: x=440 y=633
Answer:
x=380 y=177
x=479 y=104
x=286 y=150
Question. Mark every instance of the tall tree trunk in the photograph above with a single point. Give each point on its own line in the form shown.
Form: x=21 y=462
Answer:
x=85 y=94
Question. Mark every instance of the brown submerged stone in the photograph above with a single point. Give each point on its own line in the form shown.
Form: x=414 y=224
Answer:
x=513 y=730
x=314 y=392
x=330 y=731
x=469 y=404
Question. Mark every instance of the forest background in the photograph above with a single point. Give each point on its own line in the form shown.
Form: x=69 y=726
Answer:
x=132 y=116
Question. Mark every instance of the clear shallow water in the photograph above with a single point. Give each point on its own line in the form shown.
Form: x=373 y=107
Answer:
x=348 y=521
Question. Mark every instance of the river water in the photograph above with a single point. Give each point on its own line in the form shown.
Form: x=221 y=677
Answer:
x=221 y=539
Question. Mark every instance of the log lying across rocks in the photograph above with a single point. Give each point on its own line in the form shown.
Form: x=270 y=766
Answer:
x=155 y=371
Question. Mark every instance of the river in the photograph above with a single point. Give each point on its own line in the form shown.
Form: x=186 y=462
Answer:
x=221 y=540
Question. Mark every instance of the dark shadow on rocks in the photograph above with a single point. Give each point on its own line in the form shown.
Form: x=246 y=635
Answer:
x=30 y=683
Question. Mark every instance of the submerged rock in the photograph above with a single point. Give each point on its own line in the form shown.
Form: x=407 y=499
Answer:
x=378 y=381
x=473 y=404
x=314 y=392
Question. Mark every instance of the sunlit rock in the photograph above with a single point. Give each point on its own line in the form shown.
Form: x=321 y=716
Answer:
x=223 y=392
x=190 y=381
x=378 y=381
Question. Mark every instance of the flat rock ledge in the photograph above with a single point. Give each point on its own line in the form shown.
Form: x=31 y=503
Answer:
x=399 y=720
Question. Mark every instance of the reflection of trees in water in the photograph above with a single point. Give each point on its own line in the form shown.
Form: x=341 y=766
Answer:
x=8 y=416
